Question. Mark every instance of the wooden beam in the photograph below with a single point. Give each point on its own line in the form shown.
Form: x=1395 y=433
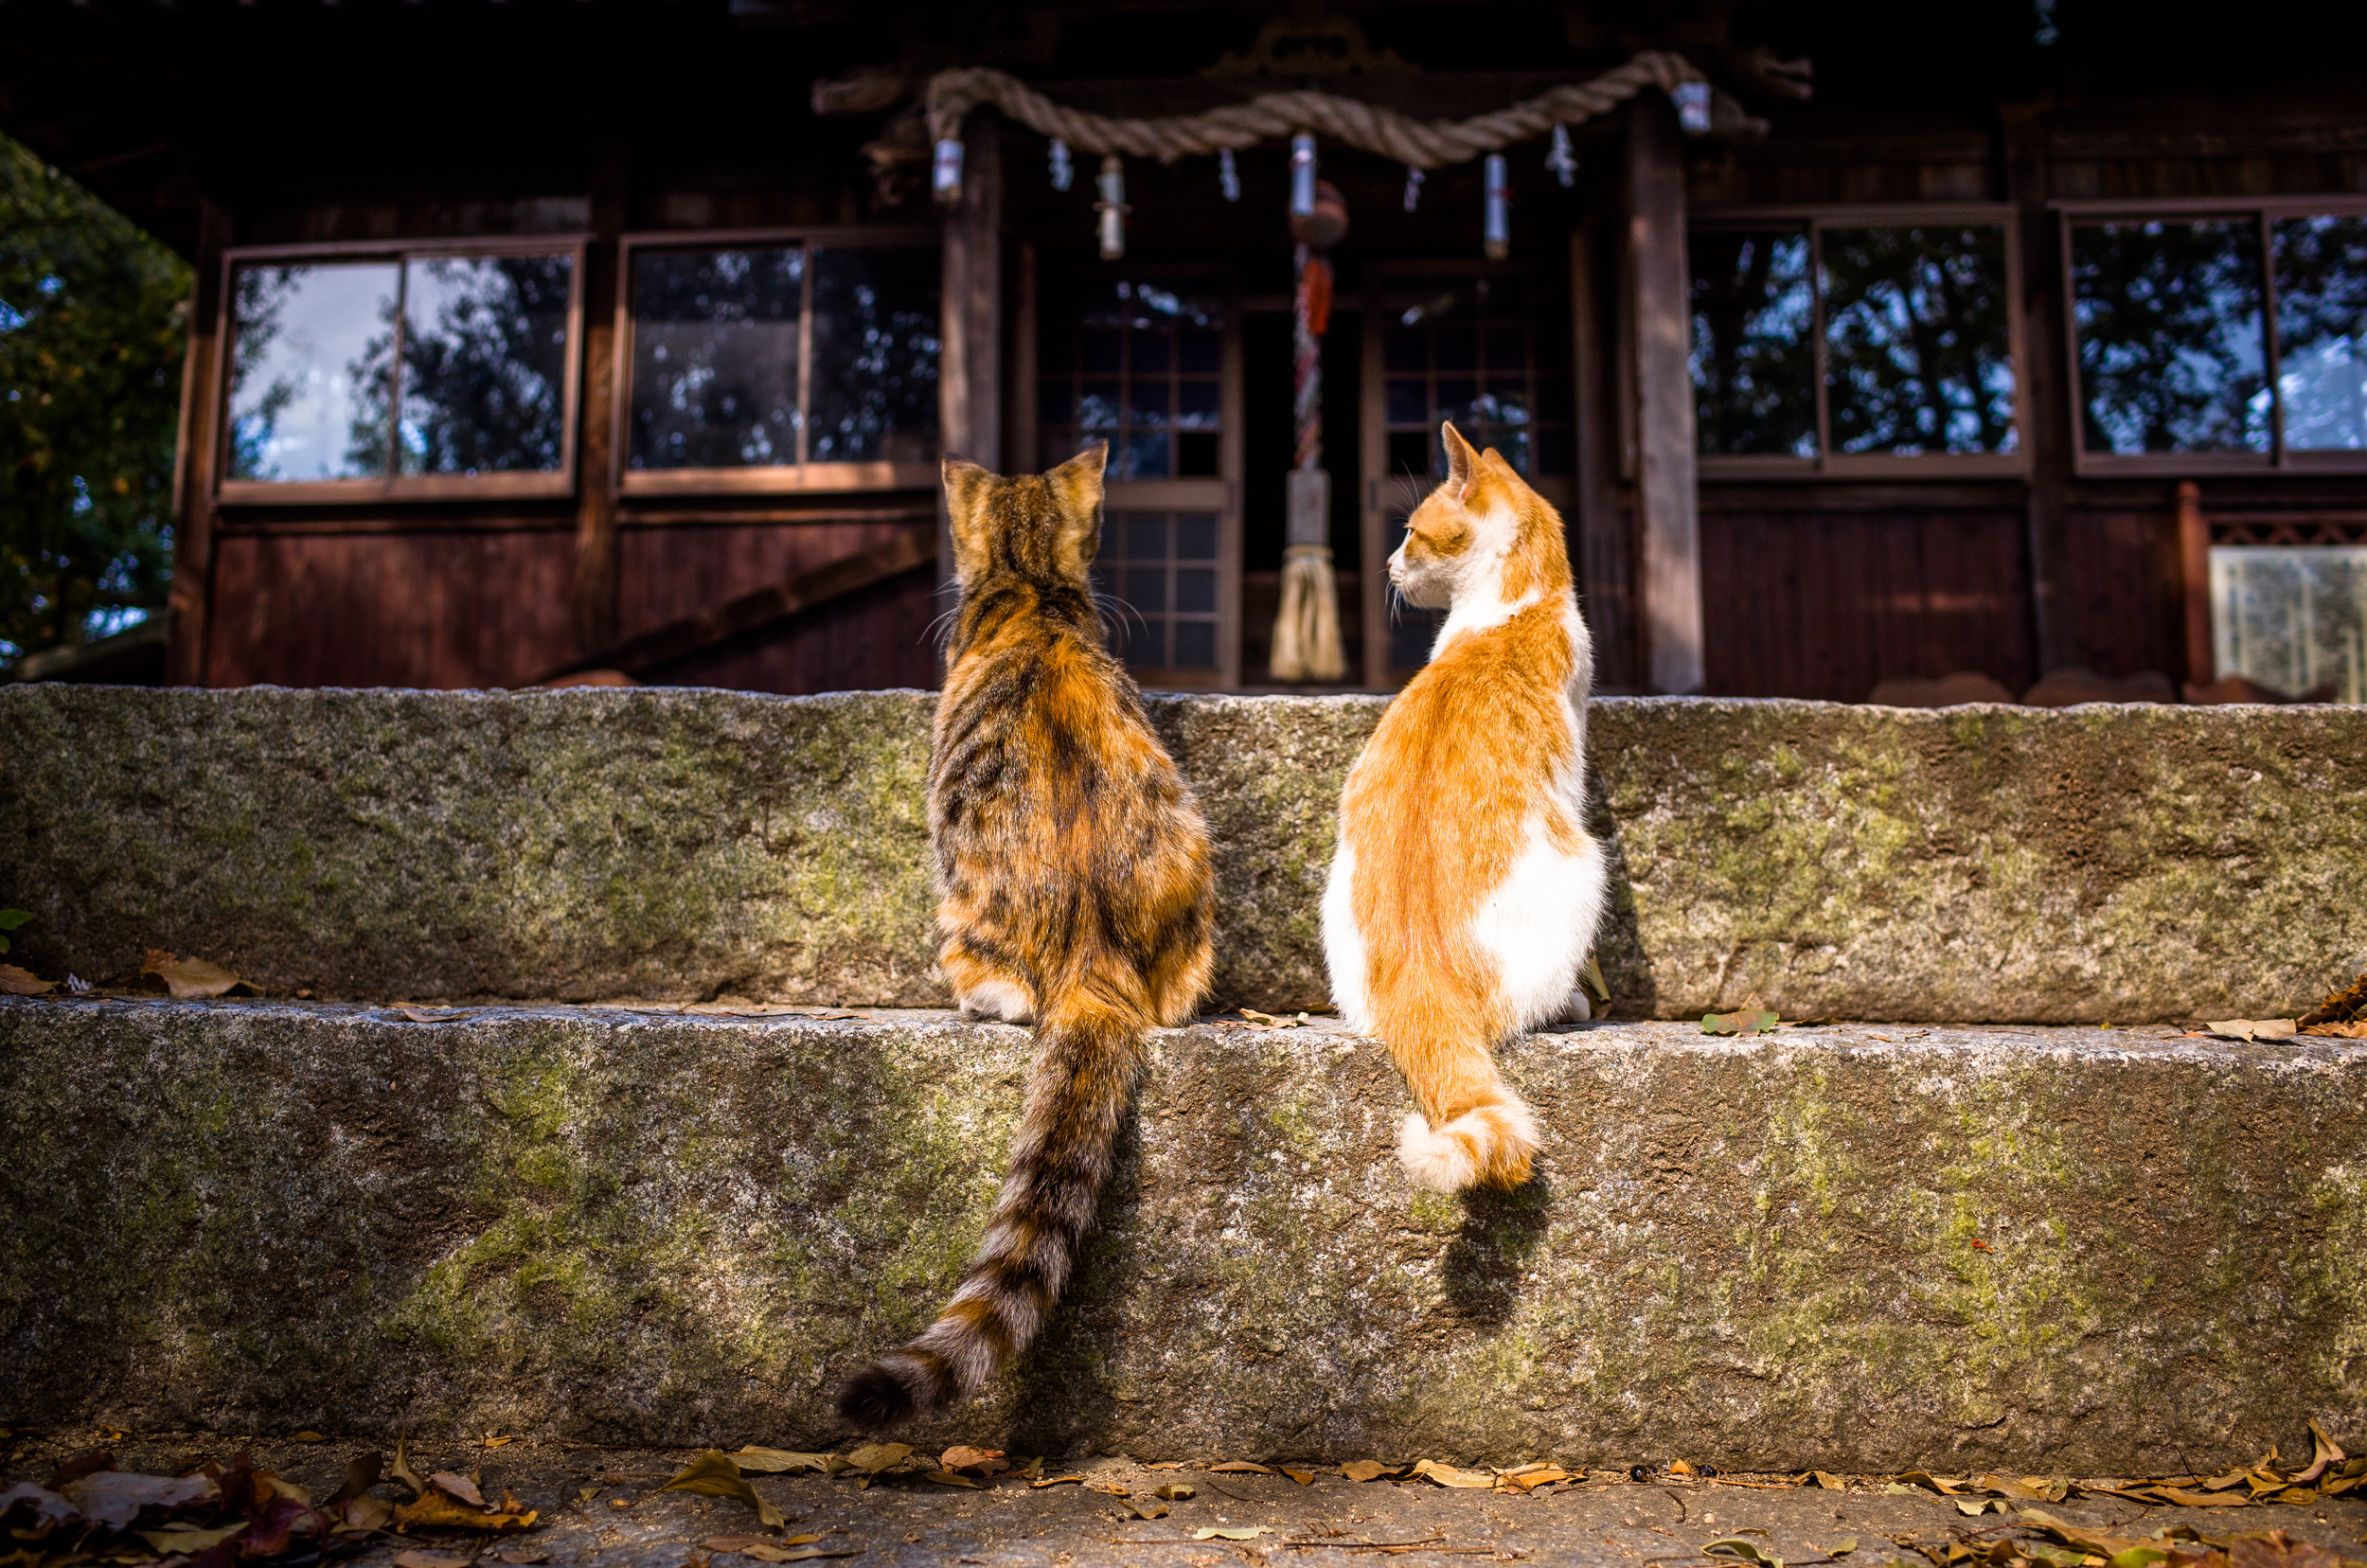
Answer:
x=2193 y=561
x=968 y=374
x=1668 y=519
x=1604 y=556
x=1023 y=431
x=759 y=610
x=2040 y=370
x=596 y=410
x=196 y=450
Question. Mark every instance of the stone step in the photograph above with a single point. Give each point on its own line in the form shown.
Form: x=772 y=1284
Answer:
x=1857 y=1247
x=2096 y=864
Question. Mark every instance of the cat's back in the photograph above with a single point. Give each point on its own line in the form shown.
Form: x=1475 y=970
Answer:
x=1490 y=716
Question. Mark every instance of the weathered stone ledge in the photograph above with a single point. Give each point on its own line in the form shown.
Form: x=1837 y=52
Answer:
x=2055 y=1249
x=2090 y=864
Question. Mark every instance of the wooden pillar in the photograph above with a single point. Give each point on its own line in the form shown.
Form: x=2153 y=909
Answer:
x=2194 y=562
x=1023 y=431
x=197 y=448
x=1603 y=553
x=594 y=607
x=1667 y=504
x=970 y=414
x=2039 y=360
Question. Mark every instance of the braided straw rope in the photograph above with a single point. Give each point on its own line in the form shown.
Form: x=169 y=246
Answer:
x=951 y=94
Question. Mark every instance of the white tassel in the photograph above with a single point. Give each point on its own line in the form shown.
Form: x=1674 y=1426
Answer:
x=1063 y=171
x=1112 y=207
x=1228 y=177
x=1413 y=188
x=1561 y=160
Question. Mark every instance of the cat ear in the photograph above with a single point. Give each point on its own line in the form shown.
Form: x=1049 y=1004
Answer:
x=1462 y=462
x=1077 y=485
x=966 y=489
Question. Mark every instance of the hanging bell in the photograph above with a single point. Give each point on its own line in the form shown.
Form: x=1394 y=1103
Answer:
x=944 y=175
x=1112 y=207
x=1497 y=229
x=1691 y=99
x=1063 y=171
x=1560 y=159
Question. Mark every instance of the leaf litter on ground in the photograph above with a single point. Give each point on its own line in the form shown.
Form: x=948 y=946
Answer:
x=190 y=979
x=713 y=1474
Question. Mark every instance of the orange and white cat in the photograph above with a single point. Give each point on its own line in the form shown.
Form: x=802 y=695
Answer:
x=1466 y=891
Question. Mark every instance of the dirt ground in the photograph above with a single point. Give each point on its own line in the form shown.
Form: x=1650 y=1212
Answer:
x=600 y=1508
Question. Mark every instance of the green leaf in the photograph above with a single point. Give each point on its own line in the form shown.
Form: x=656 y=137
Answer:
x=9 y=920
x=1749 y=1551
x=1212 y=1532
x=1744 y=1021
x=1596 y=987
x=2139 y=1556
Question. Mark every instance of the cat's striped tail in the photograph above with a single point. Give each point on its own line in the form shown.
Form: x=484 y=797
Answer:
x=1088 y=1051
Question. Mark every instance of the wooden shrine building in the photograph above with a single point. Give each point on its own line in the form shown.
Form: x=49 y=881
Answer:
x=1856 y=342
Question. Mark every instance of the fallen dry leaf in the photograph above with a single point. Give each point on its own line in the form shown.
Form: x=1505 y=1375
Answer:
x=1366 y=1469
x=400 y=1469
x=874 y=1457
x=2251 y=1029
x=961 y=1456
x=1447 y=1475
x=187 y=1540
x=1305 y=1478
x=417 y=1014
x=1177 y=1492
x=1529 y=1477
x=188 y=978
x=111 y=1499
x=2278 y=1550
x=950 y=1478
x=309 y=1435
x=1269 y=1021
x=361 y=1472
x=17 y=982
x=368 y=1513
x=2355 y=1029
x=1055 y=1481
x=459 y=1486
x=1247 y=1532
x=493 y=1442
x=1827 y=1480
x=768 y=1461
x=713 y=1474
x=1747 y=1551
x=1239 y=1467
x=520 y=1555
x=436 y=1509
x=2328 y=1452
x=2186 y=1499
x=1741 y=1021
x=1146 y=1509
x=420 y=1557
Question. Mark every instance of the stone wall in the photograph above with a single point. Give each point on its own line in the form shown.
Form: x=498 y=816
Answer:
x=2026 y=1249
x=2090 y=865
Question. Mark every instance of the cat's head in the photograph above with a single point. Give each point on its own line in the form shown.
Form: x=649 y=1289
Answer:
x=1041 y=527
x=1482 y=530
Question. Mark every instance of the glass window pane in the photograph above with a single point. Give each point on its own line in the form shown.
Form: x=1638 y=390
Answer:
x=2292 y=616
x=1196 y=589
x=1098 y=406
x=1196 y=536
x=1195 y=645
x=1142 y=458
x=2169 y=316
x=1146 y=587
x=1404 y=349
x=1917 y=349
x=1409 y=401
x=1149 y=399
x=311 y=370
x=1198 y=405
x=715 y=358
x=1147 y=536
x=2322 y=331
x=1506 y=348
x=1101 y=352
x=1151 y=352
x=1753 y=343
x=875 y=355
x=1203 y=349
x=485 y=364
x=1457 y=347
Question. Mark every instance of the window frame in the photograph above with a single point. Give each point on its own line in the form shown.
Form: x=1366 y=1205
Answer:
x=777 y=479
x=2264 y=212
x=1827 y=464
x=558 y=482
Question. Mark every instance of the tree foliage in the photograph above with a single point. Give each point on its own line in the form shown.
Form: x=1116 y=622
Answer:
x=94 y=321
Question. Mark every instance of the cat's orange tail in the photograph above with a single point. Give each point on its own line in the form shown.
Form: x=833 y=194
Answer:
x=1088 y=1051
x=1473 y=1129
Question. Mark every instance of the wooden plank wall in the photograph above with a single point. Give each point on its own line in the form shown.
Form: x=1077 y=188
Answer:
x=880 y=636
x=1826 y=603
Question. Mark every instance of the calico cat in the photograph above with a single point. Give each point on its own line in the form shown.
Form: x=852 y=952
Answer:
x=1465 y=890
x=1074 y=869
